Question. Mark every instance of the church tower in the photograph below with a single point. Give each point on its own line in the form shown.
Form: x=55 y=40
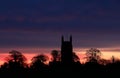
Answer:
x=66 y=51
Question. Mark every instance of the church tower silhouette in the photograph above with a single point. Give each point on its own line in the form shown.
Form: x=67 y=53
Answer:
x=66 y=51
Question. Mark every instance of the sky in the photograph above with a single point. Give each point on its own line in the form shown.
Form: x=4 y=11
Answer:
x=33 y=26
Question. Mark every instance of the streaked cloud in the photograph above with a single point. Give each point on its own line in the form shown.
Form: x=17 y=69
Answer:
x=40 y=23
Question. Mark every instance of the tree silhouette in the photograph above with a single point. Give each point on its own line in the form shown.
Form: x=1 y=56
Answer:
x=75 y=57
x=99 y=67
x=93 y=55
x=16 y=58
x=103 y=61
x=38 y=61
x=55 y=55
x=114 y=59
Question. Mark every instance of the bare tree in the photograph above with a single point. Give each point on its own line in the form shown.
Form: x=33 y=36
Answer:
x=93 y=55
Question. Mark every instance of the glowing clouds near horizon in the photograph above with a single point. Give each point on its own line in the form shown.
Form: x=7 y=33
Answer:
x=107 y=53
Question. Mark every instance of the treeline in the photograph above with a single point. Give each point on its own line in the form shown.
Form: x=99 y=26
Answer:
x=16 y=66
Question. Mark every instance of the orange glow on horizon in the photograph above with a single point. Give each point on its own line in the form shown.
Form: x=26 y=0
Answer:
x=80 y=52
x=29 y=56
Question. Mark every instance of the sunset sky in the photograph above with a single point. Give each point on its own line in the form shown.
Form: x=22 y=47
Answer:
x=36 y=26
